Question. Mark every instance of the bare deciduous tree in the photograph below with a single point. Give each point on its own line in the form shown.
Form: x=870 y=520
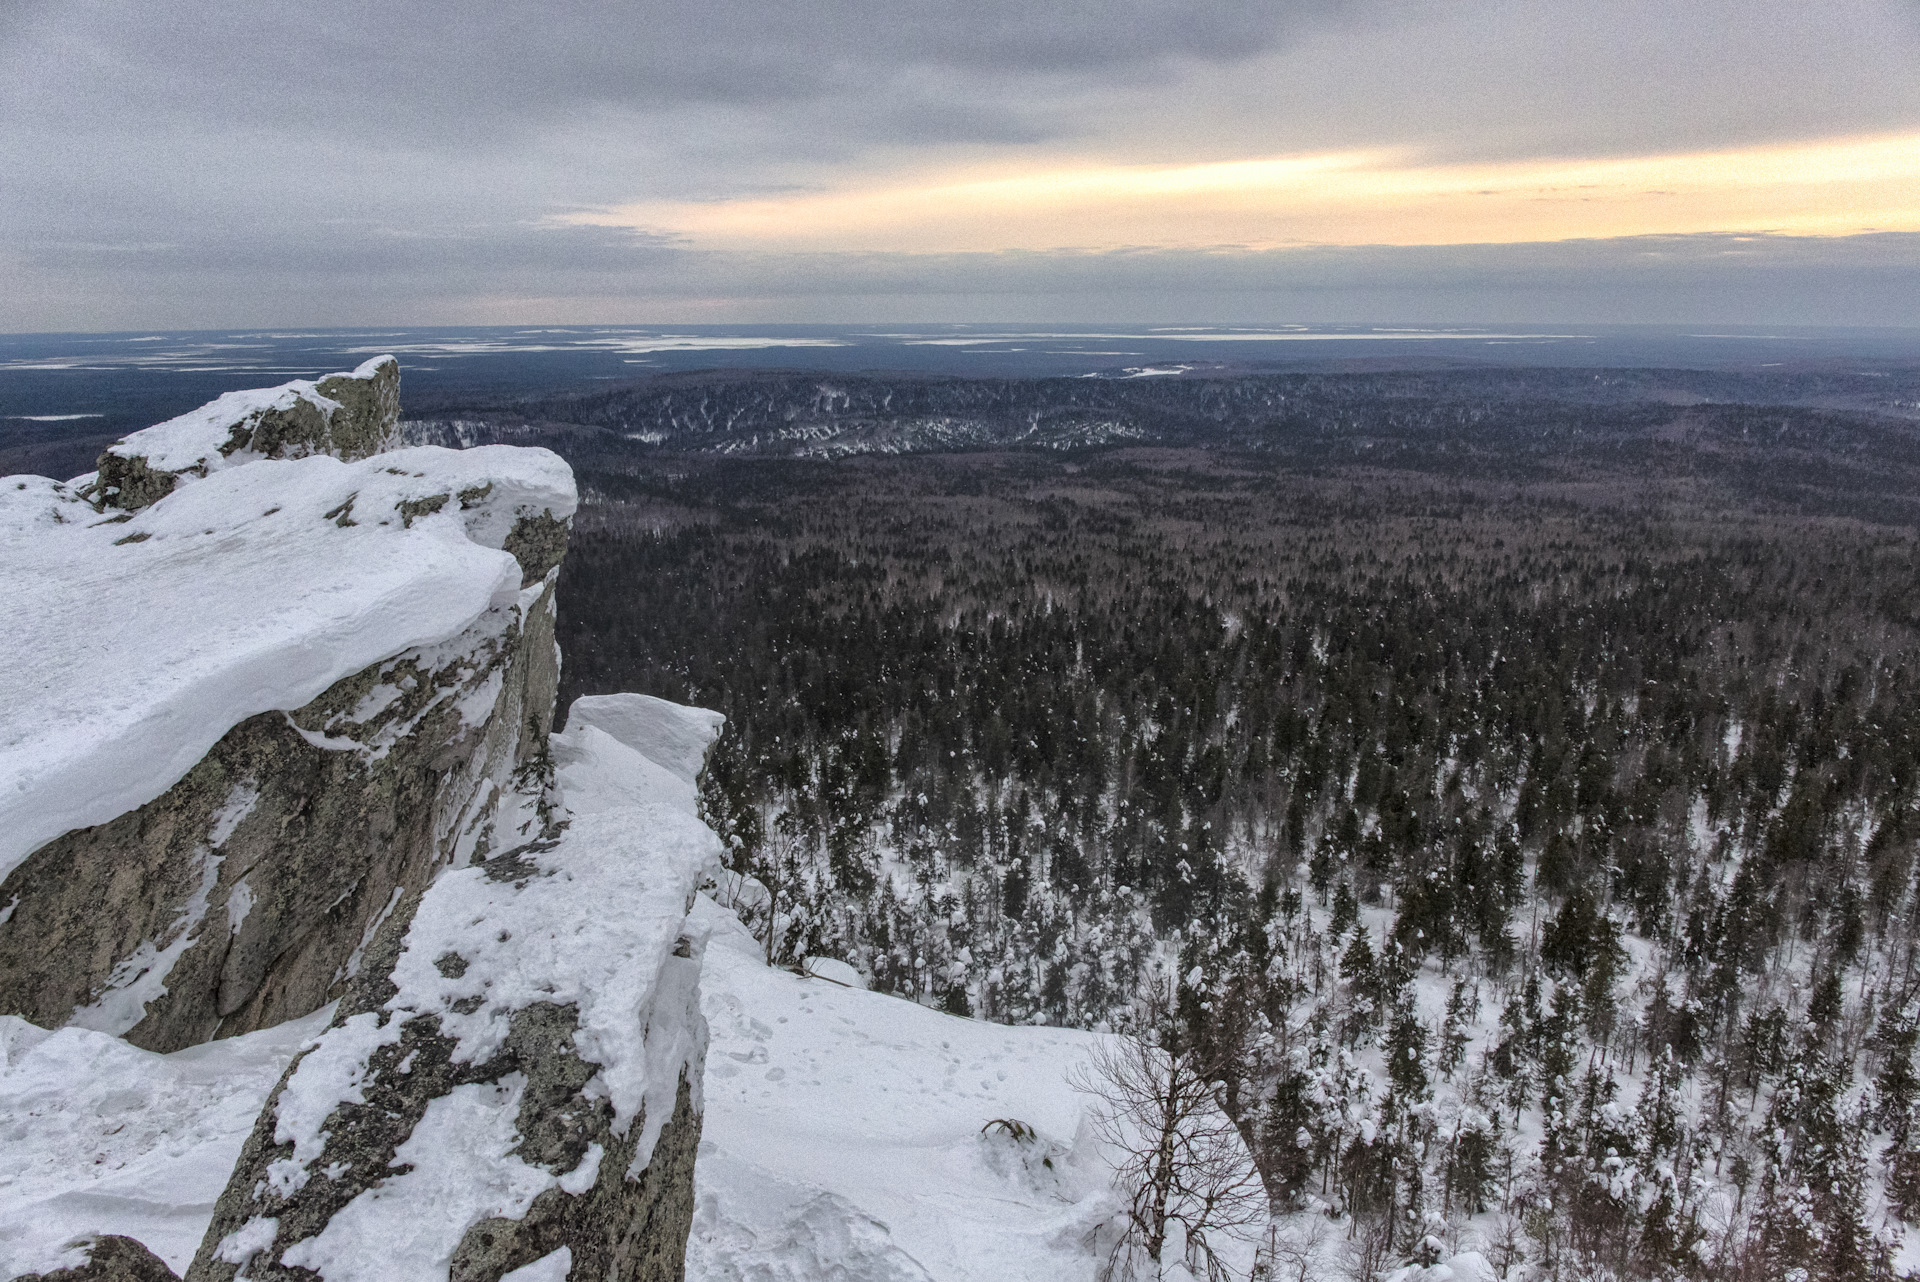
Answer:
x=1291 y=1250
x=1188 y=1179
x=1368 y=1249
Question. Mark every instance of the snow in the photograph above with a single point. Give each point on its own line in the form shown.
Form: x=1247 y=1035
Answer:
x=624 y=847
x=1468 y=1266
x=671 y=736
x=834 y=971
x=101 y=1137
x=462 y=1151
x=138 y=643
x=548 y=1268
x=843 y=1136
x=331 y=1074
x=593 y=918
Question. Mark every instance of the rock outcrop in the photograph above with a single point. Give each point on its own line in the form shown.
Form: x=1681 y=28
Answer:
x=109 y=1258
x=348 y=416
x=522 y=1075
x=306 y=757
x=243 y=894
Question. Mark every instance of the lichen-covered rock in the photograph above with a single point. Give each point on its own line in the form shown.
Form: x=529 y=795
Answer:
x=516 y=1069
x=110 y=1258
x=349 y=416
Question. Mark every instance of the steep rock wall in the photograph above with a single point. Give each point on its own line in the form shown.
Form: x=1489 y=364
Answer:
x=243 y=896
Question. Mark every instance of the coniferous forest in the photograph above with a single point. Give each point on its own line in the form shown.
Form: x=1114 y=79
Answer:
x=1530 y=854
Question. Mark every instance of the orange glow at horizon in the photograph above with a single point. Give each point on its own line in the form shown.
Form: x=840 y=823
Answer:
x=1828 y=187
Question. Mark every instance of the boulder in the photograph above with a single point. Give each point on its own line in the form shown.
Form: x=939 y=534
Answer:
x=348 y=416
x=109 y=1258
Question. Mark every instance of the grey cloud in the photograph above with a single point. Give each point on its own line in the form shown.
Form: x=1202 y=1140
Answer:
x=231 y=161
x=450 y=66
x=1498 y=79
x=128 y=119
x=521 y=274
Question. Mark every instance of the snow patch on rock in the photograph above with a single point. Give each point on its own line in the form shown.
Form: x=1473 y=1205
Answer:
x=463 y=1170
x=622 y=848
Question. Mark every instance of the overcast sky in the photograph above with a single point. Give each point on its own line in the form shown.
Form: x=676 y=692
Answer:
x=194 y=164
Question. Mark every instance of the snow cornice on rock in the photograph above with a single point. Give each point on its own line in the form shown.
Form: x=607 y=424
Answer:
x=141 y=637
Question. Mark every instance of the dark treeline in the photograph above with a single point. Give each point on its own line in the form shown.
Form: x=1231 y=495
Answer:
x=1534 y=863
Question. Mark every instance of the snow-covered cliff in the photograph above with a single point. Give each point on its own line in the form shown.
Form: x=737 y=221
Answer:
x=278 y=746
x=322 y=956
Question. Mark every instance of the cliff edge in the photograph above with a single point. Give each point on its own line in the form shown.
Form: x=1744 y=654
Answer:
x=280 y=749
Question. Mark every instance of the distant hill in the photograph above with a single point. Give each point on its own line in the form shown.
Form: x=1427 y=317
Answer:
x=1837 y=442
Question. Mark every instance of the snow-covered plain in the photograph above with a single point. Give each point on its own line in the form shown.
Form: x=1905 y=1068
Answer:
x=250 y=590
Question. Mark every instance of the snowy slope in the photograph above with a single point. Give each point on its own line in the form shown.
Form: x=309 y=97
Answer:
x=138 y=642
x=101 y=1137
x=843 y=1136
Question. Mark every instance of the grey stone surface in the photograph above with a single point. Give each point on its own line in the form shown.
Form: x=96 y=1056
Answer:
x=369 y=419
x=539 y=543
x=620 y=1230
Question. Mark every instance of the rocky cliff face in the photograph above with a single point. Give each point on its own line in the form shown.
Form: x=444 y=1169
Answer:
x=515 y=1072
x=309 y=760
x=245 y=894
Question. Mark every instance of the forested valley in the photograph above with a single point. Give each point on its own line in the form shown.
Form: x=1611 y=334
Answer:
x=1530 y=853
